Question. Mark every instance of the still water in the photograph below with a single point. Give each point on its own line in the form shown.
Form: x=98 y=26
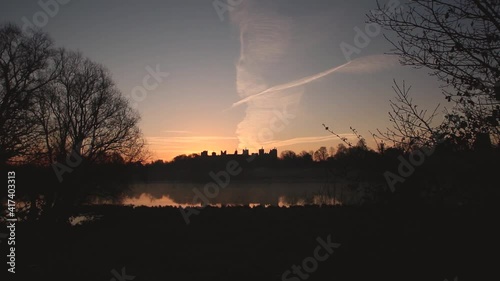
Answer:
x=253 y=194
x=190 y=194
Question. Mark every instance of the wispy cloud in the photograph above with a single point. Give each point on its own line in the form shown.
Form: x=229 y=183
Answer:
x=176 y=132
x=266 y=48
x=302 y=140
x=170 y=146
x=193 y=139
x=265 y=37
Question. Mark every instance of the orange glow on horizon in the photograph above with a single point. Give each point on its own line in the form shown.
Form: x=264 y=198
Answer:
x=166 y=148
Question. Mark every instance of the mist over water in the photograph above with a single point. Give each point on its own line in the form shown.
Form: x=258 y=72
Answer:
x=283 y=194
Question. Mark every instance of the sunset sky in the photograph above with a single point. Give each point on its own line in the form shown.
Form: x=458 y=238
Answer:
x=264 y=74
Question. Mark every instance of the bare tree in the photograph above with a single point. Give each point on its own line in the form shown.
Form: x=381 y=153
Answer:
x=57 y=103
x=411 y=126
x=321 y=154
x=459 y=41
x=343 y=139
x=288 y=155
x=341 y=149
x=361 y=144
x=25 y=68
x=83 y=112
x=306 y=155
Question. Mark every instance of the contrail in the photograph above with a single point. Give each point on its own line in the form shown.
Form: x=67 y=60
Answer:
x=301 y=140
x=289 y=85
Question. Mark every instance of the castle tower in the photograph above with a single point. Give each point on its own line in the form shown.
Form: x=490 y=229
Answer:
x=273 y=153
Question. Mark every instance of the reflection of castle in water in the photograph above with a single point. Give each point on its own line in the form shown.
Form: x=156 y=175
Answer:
x=273 y=154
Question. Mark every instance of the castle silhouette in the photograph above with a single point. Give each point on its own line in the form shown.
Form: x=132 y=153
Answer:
x=273 y=154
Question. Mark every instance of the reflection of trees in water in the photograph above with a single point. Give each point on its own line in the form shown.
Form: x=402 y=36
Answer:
x=240 y=194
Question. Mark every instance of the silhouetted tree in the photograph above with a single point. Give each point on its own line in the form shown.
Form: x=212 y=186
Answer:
x=341 y=150
x=83 y=112
x=24 y=70
x=109 y=158
x=57 y=103
x=415 y=127
x=321 y=154
x=306 y=156
x=288 y=155
x=158 y=162
x=410 y=125
x=459 y=41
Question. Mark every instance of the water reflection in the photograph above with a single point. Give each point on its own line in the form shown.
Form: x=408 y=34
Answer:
x=285 y=194
x=146 y=199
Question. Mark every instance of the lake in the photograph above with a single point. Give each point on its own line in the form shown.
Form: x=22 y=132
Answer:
x=265 y=193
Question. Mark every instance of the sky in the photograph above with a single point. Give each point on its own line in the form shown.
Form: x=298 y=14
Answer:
x=235 y=74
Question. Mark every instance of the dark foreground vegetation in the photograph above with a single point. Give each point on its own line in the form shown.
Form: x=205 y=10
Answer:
x=440 y=222
x=377 y=243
